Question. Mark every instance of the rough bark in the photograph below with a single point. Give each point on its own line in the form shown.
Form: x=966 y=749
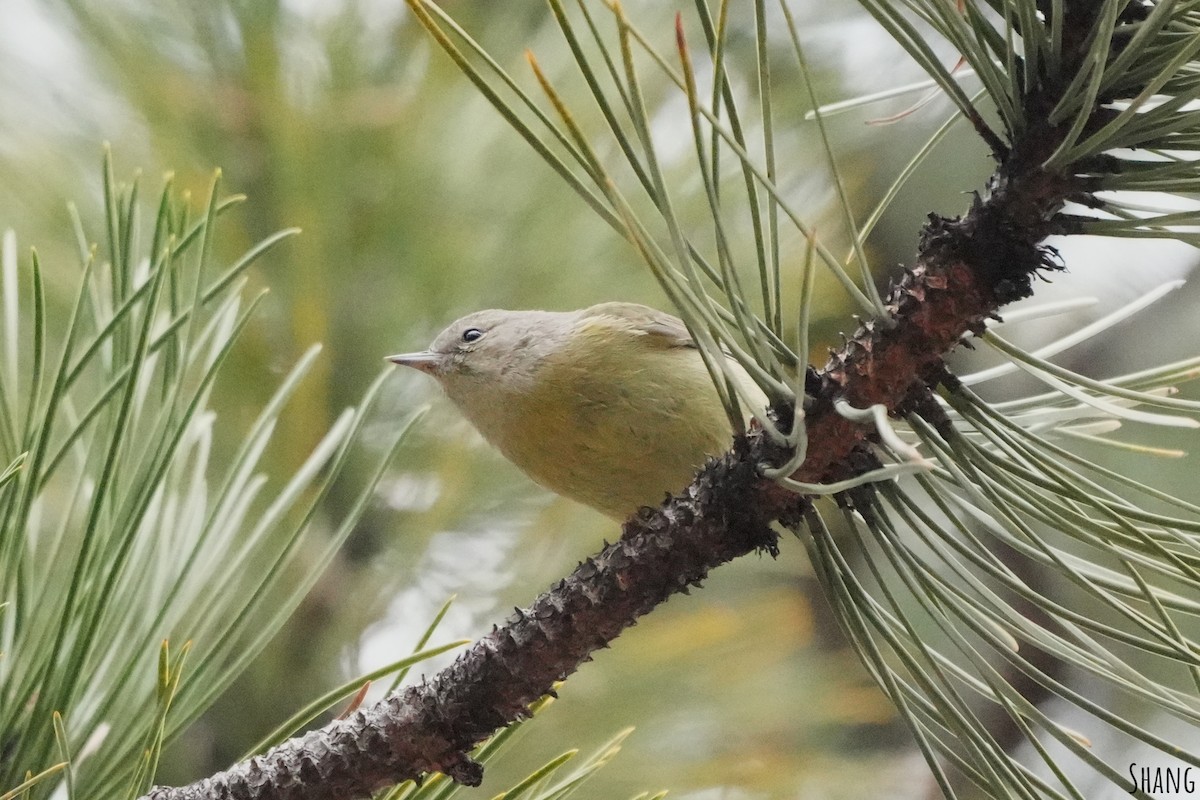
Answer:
x=966 y=269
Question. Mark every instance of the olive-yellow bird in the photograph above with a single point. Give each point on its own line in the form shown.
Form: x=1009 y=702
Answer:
x=611 y=405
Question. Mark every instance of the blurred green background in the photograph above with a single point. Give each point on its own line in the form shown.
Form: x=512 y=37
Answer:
x=418 y=204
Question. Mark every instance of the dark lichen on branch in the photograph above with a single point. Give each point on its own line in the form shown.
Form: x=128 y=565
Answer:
x=966 y=269
x=432 y=726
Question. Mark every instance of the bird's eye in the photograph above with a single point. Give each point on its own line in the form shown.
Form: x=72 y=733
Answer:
x=472 y=335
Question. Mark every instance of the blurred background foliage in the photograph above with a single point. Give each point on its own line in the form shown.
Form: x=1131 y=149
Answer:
x=418 y=204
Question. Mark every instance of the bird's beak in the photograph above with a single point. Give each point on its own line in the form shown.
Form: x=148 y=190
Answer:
x=425 y=361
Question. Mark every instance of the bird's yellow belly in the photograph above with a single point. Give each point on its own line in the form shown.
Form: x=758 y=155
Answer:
x=609 y=449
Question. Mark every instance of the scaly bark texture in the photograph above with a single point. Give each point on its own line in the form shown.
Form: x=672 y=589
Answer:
x=967 y=268
x=432 y=726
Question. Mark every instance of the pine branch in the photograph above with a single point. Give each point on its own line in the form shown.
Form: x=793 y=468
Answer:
x=431 y=727
x=967 y=268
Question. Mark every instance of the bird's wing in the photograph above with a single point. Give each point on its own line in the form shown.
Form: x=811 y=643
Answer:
x=664 y=330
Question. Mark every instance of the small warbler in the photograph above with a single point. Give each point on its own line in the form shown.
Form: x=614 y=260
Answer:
x=611 y=406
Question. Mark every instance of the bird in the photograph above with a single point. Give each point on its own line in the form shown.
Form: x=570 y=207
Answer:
x=610 y=406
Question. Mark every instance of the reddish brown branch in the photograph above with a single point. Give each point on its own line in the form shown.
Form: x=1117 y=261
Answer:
x=967 y=268
x=724 y=514
x=431 y=727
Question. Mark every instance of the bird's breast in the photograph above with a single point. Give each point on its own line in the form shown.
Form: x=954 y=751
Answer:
x=606 y=434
